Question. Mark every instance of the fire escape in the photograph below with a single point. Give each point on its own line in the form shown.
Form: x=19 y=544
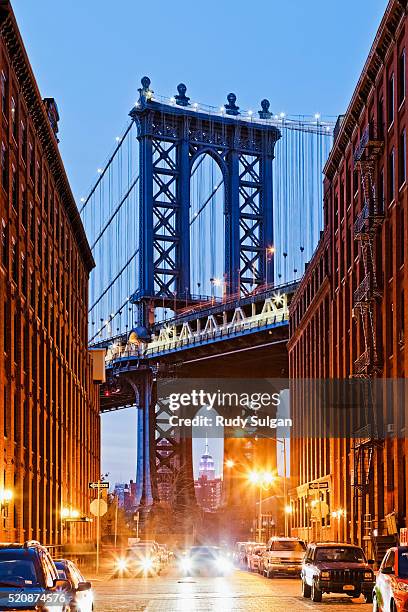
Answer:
x=368 y=365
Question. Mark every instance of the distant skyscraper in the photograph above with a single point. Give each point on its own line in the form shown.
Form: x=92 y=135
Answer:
x=208 y=488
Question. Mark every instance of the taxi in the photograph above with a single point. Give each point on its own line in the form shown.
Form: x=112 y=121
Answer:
x=391 y=586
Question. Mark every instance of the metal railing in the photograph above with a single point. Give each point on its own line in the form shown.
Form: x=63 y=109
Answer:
x=369 y=217
x=371 y=137
x=197 y=338
x=367 y=360
x=367 y=290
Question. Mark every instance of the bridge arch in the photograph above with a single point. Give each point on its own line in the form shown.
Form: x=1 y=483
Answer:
x=207 y=225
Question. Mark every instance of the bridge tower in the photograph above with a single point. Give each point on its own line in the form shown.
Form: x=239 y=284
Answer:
x=172 y=136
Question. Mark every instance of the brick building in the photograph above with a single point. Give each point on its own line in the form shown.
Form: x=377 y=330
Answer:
x=49 y=426
x=348 y=317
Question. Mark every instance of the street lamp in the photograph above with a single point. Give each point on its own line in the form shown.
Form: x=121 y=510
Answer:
x=6 y=495
x=269 y=251
x=264 y=481
x=229 y=463
x=69 y=514
x=338 y=514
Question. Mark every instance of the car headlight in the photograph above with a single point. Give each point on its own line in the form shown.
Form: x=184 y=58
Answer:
x=325 y=575
x=368 y=576
x=147 y=563
x=403 y=586
x=185 y=564
x=121 y=564
x=224 y=564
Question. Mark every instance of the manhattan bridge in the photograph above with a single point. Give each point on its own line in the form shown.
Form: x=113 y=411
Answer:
x=201 y=222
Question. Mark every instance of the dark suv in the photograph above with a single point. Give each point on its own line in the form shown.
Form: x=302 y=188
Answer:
x=330 y=567
x=29 y=579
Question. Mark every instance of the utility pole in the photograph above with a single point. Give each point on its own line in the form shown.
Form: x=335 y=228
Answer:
x=98 y=527
x=116 y=518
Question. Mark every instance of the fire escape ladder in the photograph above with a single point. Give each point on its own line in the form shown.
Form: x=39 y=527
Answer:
x=367 y=365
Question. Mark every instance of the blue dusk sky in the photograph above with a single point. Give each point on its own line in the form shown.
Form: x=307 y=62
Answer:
x=305 y=56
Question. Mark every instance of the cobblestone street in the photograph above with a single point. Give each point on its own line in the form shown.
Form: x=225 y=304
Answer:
x=240 y=591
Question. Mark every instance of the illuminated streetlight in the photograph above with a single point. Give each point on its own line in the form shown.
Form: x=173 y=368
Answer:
x=269 y=251
x=288 y=509
x=263 y=480
x=338 y=514
x=69 y=514
x=229 y=463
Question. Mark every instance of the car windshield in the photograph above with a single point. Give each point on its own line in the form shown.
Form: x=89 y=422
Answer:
x=403 y=562
x=346 y=554
x=288 y=545
x=61 y=570
x=18 y=569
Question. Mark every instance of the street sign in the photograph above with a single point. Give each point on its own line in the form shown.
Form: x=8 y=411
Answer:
x=318 y=485
x=102 y=485
x=99 y=507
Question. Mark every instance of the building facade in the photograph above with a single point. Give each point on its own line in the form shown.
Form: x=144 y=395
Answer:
x=349 y=322
x=49 y=426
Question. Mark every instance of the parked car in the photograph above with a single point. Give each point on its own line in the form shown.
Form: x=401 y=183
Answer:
x=391 y=586
x=330 y=567
x=283 y=556
x=240 y=553
x=29 y=579
x=255 y=557
x=81 y=593
x=207 y=560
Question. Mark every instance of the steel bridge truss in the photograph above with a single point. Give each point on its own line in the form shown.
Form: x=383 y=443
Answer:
x=171 y=139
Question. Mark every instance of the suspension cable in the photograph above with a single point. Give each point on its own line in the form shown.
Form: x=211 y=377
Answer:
x=119 y=310
x=115 y=212
x=110 y=160
x=129 y=261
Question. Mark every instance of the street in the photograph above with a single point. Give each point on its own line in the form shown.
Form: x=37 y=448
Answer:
x=240 y=591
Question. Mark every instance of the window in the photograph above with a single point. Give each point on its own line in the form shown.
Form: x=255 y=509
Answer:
x=32 y=224
x=381 y=192
x=31 y=161
x=4 y=167
x=380 y=118
x=24 y=208
x=4 y=244
x=5 y=329
x=402 y=317
x=402 y=158
x=401 y=78
x=401 y=246
x=26 y=428
x=391 y=99
x=355 y=182
x=23 y=276
x=32 y=289
x=14 y=122
x=4 y=94
x=391 y=176
x=5 y=412
x=15 y=337
x=14 y=189
x=39 y=238
x=14 y=261
x=23 y=142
